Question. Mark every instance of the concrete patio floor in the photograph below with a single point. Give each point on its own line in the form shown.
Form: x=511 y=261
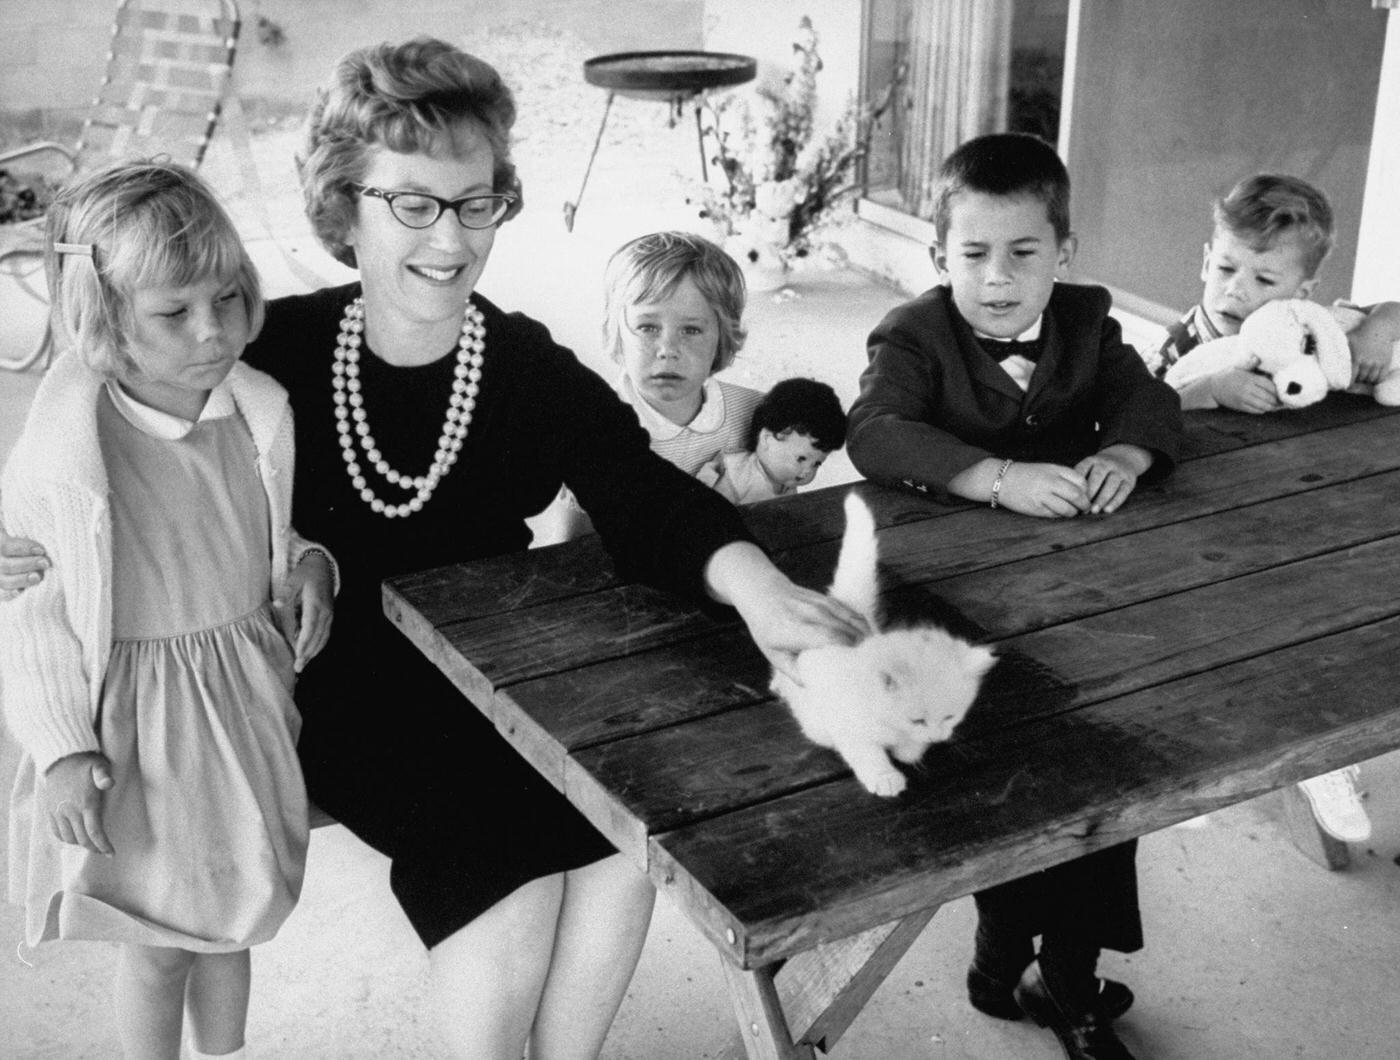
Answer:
x=1252 y=950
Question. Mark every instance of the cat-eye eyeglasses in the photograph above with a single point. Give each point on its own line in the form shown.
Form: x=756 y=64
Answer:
x=416 y=209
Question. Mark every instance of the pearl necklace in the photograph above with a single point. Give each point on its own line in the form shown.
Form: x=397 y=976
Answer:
x=349 y=405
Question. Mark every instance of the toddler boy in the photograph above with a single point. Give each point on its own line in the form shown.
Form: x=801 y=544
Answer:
x=1270 y=237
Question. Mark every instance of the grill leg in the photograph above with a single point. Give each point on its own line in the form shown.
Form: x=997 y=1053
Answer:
x=571 y=208
x=700 y=136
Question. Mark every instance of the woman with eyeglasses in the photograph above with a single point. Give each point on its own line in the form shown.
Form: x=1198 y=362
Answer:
x=429 y=425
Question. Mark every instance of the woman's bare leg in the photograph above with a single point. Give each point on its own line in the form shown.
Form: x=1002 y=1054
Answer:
x=487 y=978
x=602 y=927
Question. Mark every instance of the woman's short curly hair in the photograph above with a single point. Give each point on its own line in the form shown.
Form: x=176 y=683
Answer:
x=420 y=95
x=140 y=223
x=648 y=268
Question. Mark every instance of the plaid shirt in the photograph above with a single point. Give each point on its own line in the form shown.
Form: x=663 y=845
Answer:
x=1182 y=337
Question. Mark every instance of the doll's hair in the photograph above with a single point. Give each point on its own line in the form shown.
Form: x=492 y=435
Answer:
x=648 y=268
x=804 y=406
x=132 y=225
x=422 y=95
x=1268 y=208
x=1011 y=165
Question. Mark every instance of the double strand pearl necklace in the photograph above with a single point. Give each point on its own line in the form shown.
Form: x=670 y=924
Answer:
x=349 y=405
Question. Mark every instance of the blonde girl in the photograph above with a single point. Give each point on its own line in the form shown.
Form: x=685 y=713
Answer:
x=148 y=678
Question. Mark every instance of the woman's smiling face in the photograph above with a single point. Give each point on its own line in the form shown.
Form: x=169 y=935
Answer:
x=425 y=274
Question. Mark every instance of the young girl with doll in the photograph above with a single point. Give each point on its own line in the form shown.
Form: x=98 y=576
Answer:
x=673 y=308
x=672 y=318
x=159 y=804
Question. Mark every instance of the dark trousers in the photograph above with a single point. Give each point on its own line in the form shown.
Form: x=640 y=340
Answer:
x=1076 y=909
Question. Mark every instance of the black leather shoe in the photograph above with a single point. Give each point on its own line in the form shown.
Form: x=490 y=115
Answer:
x=992 y=997
x=1082 y=1035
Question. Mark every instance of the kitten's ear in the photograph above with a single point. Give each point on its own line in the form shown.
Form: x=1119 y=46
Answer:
x=978 y=659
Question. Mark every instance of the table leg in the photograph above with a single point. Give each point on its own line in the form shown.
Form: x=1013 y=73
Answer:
x=819 y=992
x=762 y=1025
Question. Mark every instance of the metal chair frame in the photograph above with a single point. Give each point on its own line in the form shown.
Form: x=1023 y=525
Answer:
x=168 y=71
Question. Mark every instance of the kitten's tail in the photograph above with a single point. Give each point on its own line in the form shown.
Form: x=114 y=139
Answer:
x=854 y=583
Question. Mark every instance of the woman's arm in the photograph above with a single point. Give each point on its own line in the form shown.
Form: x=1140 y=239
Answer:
x=783 y=618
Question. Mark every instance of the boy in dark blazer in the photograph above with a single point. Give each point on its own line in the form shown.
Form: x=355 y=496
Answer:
x=1001 y=385
x=1007 y=387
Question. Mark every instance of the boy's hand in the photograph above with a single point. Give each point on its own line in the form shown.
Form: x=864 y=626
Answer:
x=72 y=794
x=1112 y=474
x=1245 y=391
x=1050 y=491
x=306 y=607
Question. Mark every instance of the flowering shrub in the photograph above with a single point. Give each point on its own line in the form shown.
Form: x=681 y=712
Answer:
x=774 y=182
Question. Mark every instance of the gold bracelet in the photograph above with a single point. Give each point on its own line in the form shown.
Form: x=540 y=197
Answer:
x=996 y=482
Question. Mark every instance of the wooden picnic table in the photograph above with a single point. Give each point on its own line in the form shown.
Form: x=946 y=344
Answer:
x=1229 y=632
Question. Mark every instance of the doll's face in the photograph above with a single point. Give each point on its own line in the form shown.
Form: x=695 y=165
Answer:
x=789 y=459
x=1239 y=279
x=669 y=349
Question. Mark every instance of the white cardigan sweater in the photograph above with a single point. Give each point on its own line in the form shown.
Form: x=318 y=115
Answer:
x=56 y=637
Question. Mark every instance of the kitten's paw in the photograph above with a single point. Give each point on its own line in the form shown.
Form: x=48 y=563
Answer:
x=886 y=785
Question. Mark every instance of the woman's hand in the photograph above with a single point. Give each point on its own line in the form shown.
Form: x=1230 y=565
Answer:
x=72 y=796
x=306 y=607
x=783 y=618
x=22 y=564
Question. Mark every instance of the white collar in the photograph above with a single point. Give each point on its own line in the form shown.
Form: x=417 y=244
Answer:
x=709 y=418
x=163 y=425
x=1029 y=335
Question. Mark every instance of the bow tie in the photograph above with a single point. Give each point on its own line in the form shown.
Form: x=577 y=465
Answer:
x=1000 y=351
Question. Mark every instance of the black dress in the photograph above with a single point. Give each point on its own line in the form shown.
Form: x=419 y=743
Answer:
x=389 y=746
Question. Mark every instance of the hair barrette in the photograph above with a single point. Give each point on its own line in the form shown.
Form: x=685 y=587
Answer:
x=81 y=249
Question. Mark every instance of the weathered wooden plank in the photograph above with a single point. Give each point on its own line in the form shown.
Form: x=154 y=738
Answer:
x=502 y=583
x=1125 y=570
x=1220 y=430
x=831 y=861
x=1335 y=482
x=650 y=690
x=666 y=778
x=534 y=641
x=806 y=525
x=925 y=552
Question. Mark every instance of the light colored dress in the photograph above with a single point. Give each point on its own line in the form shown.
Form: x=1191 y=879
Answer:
x=208 y=813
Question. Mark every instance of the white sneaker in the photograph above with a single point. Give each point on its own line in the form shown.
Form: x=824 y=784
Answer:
x=1336 y=805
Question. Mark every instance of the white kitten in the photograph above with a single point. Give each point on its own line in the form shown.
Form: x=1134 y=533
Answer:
x=894 y=693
